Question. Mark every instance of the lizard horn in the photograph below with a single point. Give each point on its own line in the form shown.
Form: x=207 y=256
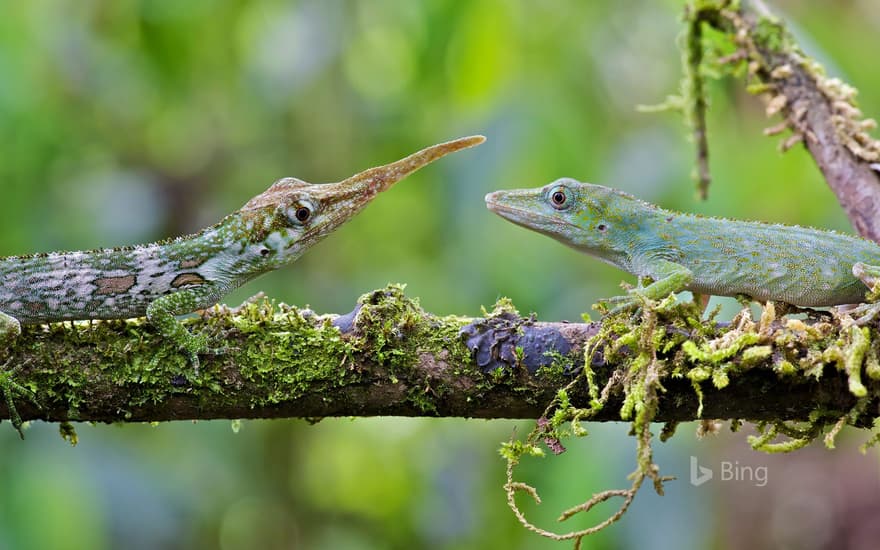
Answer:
x=380 y=178
x=361 y=188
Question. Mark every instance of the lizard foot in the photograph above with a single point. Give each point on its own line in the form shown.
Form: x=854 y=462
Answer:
x=10 y=387
x=864 y=314
x=198 y=345
x=870 y=276
x=633 y=300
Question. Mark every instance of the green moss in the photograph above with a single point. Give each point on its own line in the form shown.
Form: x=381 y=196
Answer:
x=755 y=355
x=770 y=34
x=849 y=353
x=669 y=339
x=785 y=368
x=281 y=354
x=296 y=356
x=301 y=355
x=872 y=365
x=498 y=375
x=712 y=354
x=514 y=449
x=423 y=400
x=68 y=433
x=557 y=371
x=503 y=306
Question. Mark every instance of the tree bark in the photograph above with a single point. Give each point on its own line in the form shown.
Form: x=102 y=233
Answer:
x=386 y=357
x=820 y=111
x=389 y=357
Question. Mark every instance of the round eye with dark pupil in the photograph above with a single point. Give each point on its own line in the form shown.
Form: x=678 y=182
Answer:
x=302 y=214
x=558 y=198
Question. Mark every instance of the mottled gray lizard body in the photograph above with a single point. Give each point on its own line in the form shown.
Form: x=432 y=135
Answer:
x=178 y=276
x=797 y=265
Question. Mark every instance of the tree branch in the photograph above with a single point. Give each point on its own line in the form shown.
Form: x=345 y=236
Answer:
x=820 y=111
x=388 y=357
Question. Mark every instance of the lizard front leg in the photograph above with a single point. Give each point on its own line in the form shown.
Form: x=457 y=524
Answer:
x=10 y=330
x=668 y=277
x=870 y=275
x=162 y=311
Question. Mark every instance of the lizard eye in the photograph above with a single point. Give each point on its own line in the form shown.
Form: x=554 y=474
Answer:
x=559 y=197
x=300 y=212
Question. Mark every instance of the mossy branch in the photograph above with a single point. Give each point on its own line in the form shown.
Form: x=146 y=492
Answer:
x=389 y=357
x=820 y=112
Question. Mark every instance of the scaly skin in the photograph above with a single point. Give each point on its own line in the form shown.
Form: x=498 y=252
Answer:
x=797 y=265
x=174 y=277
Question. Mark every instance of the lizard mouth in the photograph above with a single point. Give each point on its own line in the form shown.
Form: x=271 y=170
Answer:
x=529 y=219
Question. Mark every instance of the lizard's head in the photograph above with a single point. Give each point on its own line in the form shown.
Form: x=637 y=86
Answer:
x=590 y=218
x=292 y=215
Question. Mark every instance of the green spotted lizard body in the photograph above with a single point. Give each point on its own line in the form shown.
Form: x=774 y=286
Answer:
x=178 y=276
x=797 y=265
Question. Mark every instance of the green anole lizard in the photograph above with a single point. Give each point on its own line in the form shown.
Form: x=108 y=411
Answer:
x=797 y=265
x=178 y=276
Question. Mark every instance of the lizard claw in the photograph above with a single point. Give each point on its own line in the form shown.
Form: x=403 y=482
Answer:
x=194 y=361
x=633 y=300
x=195 y=345
x=199 y=346
x=870 y=276
x=864 y=314
x=10 y=387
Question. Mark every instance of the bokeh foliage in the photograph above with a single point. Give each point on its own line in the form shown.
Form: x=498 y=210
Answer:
x=129 y=121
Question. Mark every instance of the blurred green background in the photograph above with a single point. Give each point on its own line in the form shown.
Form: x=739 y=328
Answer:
x=124 y=122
